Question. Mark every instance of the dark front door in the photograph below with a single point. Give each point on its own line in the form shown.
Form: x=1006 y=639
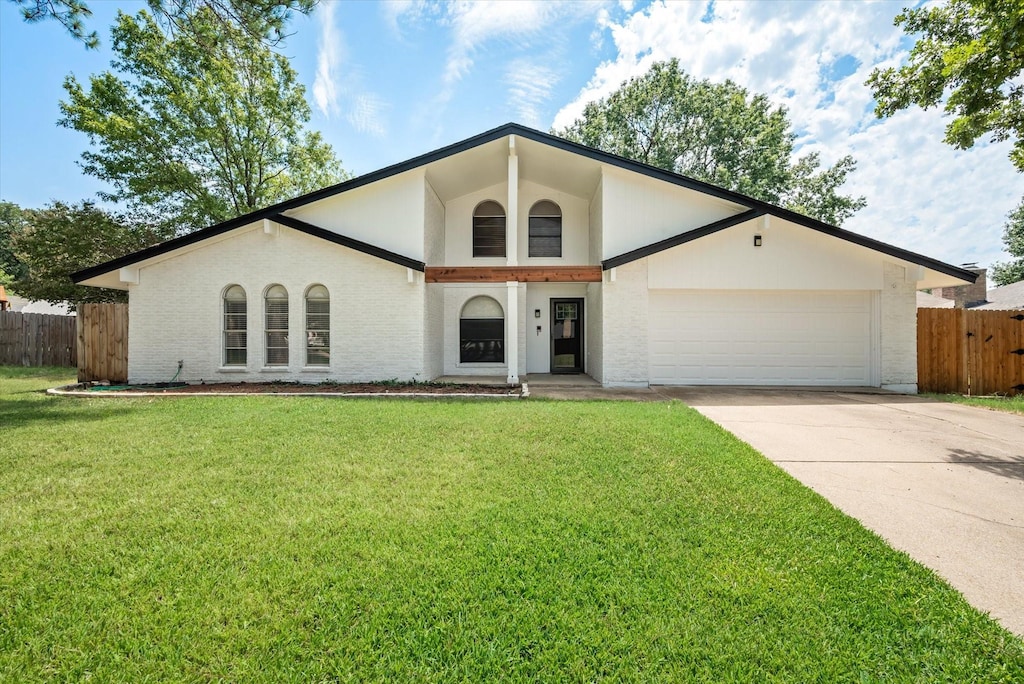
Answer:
x=566 y=335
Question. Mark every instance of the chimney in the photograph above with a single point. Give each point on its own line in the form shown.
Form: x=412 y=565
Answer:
x=966 y=296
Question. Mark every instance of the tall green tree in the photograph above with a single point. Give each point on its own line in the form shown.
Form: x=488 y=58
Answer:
x=199 y=127
x=12 y=221
x=1013 y=237
x=969 y=57
x=969 y=54
x=716 y=132
x=264 y=19
x=60 y=239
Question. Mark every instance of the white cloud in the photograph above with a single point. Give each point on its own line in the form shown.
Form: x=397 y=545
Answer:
x=366 y=114
x=408 y=11
x=530 y=85
x=334 y=92
x=511 y=26
x=328 y=61
x=922 y=195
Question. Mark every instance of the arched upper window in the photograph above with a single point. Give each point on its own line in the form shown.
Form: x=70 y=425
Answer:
x=482 y=331
x=235 y=326
x=545 y=230
x=489 y=230
x=276 y=326
x=318 y=326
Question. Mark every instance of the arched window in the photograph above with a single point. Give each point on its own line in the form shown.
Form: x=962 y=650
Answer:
x=489 y=230
x=545 y=230
x=482 y=332
x=318 y=326
x=276 y=322
x=234 y=326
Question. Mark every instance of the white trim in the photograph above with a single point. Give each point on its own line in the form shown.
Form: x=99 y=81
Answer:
x=512 y=210
x=902 y=389
x=876 y=338
x=512 y=332
x=129 y=274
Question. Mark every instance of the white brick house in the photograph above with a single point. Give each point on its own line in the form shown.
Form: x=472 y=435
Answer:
x=516 y=252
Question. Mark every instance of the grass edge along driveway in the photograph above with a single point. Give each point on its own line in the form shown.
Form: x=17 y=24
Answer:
x=293 y=539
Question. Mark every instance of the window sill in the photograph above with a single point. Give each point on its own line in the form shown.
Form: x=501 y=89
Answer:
x=481 y=365
x=274 y=369
x=232 y=369
x=316 y=369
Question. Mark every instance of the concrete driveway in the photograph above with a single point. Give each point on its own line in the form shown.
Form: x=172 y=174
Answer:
x=945 y=483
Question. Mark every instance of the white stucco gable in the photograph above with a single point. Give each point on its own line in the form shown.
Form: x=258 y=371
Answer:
x=388 y=213
x=638 y=210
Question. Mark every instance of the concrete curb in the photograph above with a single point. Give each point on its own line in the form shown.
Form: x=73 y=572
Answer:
x=85 y=394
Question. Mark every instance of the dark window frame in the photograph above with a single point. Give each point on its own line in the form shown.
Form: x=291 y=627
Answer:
x=275 y=337
x=545 y=232
x=318 y=327
x=490 y=234
x=481 y=340
x=236 y=328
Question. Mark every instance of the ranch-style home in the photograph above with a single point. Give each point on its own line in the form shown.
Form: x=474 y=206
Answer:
x=516 y=252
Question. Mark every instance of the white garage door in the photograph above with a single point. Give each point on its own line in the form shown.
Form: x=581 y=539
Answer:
x=733 y=337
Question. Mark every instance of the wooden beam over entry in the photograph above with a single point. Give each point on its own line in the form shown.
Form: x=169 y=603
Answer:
x=521 y=274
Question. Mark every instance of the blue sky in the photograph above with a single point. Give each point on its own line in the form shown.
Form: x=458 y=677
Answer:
x=388 y=81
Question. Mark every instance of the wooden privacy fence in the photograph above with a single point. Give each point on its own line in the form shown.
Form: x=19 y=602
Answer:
x=28 y=339
x=970 y=352
x=103 y=342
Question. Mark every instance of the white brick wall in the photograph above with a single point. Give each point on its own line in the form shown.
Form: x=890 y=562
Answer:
x=455 y=297
x=377 y=325
x=898 y=330
x=434 y=340
x=433 y=227
x=625 y=325
x=594 y=326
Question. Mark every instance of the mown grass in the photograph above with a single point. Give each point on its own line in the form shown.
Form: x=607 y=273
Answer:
x=1013 y=404
x=309 y=539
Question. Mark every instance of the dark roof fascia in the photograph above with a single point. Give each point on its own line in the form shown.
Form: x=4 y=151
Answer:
x=276 y=209
x=162 y=248
x=351 y=243
x=682 y=238
x=553 y=141
x=632 y=165
x=884 y=248
x=800 y=219
x=754 y=204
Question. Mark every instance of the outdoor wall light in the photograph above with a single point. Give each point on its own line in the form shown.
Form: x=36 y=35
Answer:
x=757 y=240
x=536 y=313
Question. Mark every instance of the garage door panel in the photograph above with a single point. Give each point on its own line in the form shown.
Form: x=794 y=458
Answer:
x=757 y=337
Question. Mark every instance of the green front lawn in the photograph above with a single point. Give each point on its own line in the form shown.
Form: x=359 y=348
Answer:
x=309 y=539
x=1013 y=404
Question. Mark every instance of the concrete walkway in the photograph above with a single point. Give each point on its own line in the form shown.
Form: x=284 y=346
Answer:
x=943 y=482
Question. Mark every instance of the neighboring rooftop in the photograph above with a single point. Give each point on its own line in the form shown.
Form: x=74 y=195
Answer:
x=1005 y=297
x=931 y=301
x=29 y=306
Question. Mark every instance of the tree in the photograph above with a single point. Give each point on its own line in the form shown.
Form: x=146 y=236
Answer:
x=715 y=132
x=197 y=128
x=972 y=50
x=1013 y=238
x=61 y=239
x=12 y=220
x=264 y=19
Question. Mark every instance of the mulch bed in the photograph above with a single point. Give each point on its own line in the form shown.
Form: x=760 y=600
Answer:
x=329 y=388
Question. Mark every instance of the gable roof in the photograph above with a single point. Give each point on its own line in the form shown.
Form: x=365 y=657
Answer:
x=1005 y=297
x=755 y=207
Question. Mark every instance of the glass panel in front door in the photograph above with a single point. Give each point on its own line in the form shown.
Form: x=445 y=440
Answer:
x=564 y=333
